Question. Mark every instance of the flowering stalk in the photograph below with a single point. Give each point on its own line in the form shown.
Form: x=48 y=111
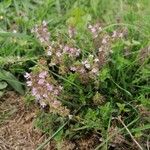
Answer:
x=67 y=58
x=45 y=92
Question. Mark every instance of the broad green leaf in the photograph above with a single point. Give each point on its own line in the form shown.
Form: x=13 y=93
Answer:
x=11 y=80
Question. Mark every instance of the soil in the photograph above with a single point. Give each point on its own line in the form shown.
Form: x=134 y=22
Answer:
x=17 y=131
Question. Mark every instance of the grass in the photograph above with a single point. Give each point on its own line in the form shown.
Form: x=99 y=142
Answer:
x=122 y=87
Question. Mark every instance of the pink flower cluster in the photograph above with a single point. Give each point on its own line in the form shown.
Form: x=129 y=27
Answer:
x=92 y=64
x=71 y=51
x=88 y=68
x=95 y=29
x=67 y=58
x=45 y=92
x=42 y=33
x=62 y=51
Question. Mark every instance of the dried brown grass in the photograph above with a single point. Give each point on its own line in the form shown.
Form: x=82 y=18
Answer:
x=17 y=131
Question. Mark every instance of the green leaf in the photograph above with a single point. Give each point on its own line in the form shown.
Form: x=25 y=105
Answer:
x=105 y=112
x=11 y=80
x=94 y=5
x=135 y=42
x=59 y=136
x=104 y=74
x=5 y=4
x=3 y=85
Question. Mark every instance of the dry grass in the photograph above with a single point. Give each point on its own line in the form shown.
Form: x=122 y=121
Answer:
x=17 y=131
x=16 y=127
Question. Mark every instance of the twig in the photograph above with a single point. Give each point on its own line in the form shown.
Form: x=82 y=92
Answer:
x=115 y=133
x=47 y=141
x=147 y=144
x=119 y=118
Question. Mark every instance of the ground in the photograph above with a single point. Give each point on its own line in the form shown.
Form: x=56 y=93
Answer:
x=16 y=124
x=17 y=131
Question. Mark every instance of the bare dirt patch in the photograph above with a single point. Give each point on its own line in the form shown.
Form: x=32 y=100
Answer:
x=16 y=124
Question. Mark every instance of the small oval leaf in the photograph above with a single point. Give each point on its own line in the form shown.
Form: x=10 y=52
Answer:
x=3 y=85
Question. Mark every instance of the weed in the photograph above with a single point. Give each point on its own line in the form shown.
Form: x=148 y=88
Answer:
x=89 y=57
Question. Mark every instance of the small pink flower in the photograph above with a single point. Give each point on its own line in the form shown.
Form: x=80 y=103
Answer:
x=104 y=41
x=56 y=103
x=90 y=26
x=56 y=92
x=49 y=53
x=95 y=35
x=49 y=48
x=66 y=48
x=96 y=60
x=60 y=46
x=100 y=49
x=91 y=56
x=42 y=104
x=27 y=75
x=38 y=97
x=45 y=30
x=44 y=23
x=84 y=62
x=60 y=87
x=47 y=38
x=41 y=81
x=71 y=50
x=73 y=68
x=93 y=30
x=114 y=34
x=14 y=31
x=58 y=54
x=121 y=35
x=94 y=70
x=82 y=70
x=52 y=64
x=29 y=83
x=41 y=39
x=49 y=87
x=87 y=66
x=100 y=28
x=78 y=52
x=34 y=91
x=45 y=95
x=43 y=74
